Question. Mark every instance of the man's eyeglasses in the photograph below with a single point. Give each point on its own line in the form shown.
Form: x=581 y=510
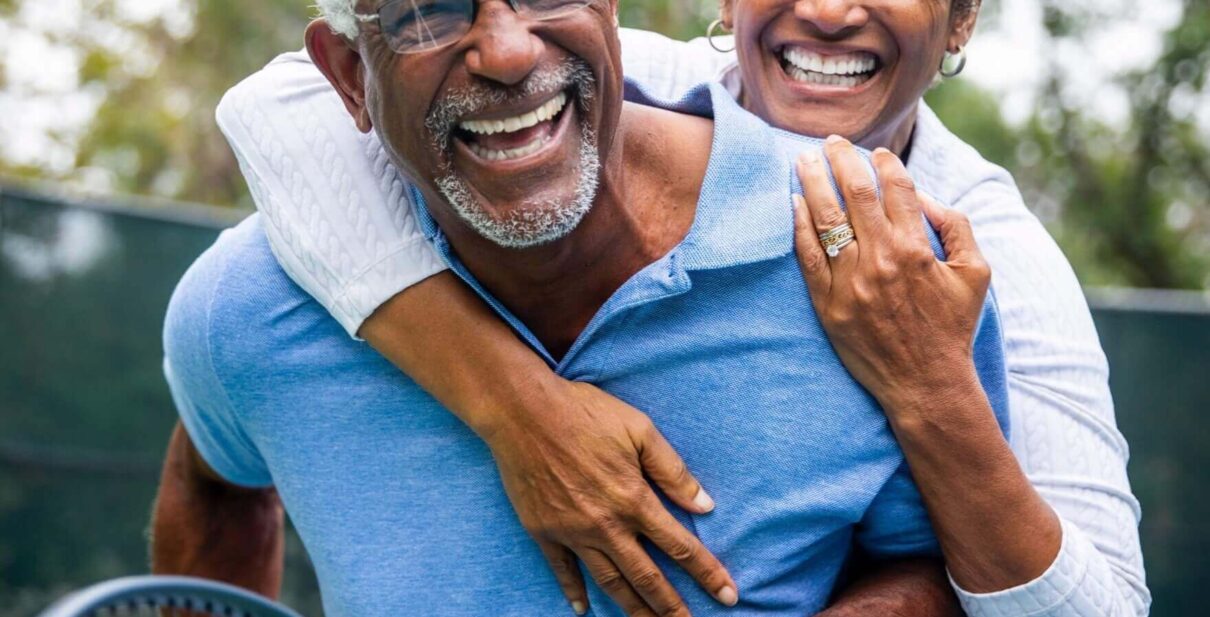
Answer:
x=413 y=26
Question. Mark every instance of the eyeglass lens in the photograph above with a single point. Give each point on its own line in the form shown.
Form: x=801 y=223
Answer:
x=421 y=25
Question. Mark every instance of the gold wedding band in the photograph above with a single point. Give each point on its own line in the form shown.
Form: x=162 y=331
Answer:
x=836 y=238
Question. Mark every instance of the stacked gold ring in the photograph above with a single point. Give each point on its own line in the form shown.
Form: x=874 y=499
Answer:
x=836 y=238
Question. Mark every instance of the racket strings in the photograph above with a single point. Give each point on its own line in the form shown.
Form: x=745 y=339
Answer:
x=160 y=605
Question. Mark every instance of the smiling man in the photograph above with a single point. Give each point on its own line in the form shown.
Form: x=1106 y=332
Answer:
x=645 y=250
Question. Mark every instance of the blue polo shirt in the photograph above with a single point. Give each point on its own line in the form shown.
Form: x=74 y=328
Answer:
x=400 y=505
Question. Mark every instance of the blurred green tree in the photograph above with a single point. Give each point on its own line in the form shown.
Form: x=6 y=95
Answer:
x=155 y=127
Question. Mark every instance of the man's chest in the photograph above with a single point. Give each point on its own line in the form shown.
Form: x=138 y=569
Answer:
x=379 y=478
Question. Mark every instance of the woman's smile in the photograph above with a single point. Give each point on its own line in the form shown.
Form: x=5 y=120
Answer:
x=835 y=71
x=855 y=69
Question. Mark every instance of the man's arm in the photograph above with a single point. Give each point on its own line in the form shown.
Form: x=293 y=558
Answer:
x=912 y=587
x=204 y=526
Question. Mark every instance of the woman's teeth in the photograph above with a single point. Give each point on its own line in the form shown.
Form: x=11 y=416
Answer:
x=512 y=153
x=548 y=110
x=845 y=70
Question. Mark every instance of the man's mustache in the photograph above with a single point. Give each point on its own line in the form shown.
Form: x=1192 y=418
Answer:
x=458 y=103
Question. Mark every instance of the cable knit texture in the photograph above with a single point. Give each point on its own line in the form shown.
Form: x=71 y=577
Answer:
x=340 y=222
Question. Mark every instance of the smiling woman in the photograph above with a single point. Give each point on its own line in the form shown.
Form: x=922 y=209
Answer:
x=1021 y=523
x=856 y=69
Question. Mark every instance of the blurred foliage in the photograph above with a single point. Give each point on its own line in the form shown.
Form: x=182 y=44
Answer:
x=1128 y=203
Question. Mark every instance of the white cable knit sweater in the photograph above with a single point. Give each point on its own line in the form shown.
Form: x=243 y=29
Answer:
x=340 y=223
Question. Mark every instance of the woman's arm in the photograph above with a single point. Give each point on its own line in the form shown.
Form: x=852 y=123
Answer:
x=902 y=322
x=1065 y=435
x=1065 y=441
x=571 y=457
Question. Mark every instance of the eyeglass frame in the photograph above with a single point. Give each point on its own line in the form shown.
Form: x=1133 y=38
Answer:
x=376 y=18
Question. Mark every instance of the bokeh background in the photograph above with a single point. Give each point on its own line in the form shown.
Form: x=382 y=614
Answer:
x=113 y=177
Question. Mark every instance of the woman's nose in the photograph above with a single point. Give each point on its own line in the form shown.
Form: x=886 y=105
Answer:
x=502 y=49
x=832 y=17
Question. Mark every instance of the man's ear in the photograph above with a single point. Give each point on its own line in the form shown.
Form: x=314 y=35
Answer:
x=340 y=62
x=962 y=27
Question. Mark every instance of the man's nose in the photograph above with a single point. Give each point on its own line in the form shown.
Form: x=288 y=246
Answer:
x=502 y=47
x=832 y=17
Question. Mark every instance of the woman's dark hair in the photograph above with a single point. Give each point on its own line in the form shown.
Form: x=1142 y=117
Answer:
x=962 y=7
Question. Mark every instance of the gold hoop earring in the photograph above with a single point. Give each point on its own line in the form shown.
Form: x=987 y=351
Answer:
x=949 y=59
x=710 y=34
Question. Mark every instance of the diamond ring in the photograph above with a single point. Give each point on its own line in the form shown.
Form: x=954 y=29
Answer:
x=836 y=238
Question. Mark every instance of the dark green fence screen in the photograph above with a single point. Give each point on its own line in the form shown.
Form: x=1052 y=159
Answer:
x=85 y=414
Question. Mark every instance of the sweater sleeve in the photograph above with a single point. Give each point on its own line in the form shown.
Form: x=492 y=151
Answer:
x=1064 y=432
x=336 y=211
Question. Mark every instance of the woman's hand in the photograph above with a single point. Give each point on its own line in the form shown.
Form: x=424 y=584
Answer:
x=903 y=323
x=572 y=458
x=901 y=320
x=575 y=475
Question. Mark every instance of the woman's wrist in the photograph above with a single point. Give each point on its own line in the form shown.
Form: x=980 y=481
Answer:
x=995 y=530
x=943 y=392
x=515 y=399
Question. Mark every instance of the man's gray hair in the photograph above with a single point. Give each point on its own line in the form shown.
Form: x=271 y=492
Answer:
x=340 y=14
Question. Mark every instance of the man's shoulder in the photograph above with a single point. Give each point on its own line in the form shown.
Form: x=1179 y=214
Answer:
x=233 y=299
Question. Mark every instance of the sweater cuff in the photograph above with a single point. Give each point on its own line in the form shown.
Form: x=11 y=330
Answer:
x=1043 y=595
x=411 y=263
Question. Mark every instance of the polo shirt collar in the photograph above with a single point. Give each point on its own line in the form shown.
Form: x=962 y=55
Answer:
x=744 y=213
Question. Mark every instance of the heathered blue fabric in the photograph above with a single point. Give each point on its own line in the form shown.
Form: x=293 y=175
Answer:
x=400 y=505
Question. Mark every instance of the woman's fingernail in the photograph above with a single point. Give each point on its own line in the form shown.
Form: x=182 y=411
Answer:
x=834 y=139
x=727 y=595
x=579 y=607
x=810 y=157
x=702 y=501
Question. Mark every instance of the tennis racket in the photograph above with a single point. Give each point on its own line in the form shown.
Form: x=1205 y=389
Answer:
x=165 y=596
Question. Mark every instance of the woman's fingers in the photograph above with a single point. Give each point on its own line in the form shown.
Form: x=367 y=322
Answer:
x=857 y=186
x=668 y=470
x=647 y=579
x=811 y=259
x=688 y=551
x=614 y=584
x=954 y=229
x=899 y=195
x=822 y=205
x=563 y=563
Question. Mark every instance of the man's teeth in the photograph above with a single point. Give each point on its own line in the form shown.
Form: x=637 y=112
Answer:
x=548 y=110
x=512 y=153
x=845 y=70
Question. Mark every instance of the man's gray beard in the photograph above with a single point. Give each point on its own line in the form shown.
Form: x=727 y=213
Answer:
x=535 y=222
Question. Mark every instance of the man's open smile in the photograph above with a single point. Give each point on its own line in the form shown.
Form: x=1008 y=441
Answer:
x=517 y=136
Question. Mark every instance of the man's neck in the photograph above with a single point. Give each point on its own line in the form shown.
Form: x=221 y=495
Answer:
x=644 y=207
